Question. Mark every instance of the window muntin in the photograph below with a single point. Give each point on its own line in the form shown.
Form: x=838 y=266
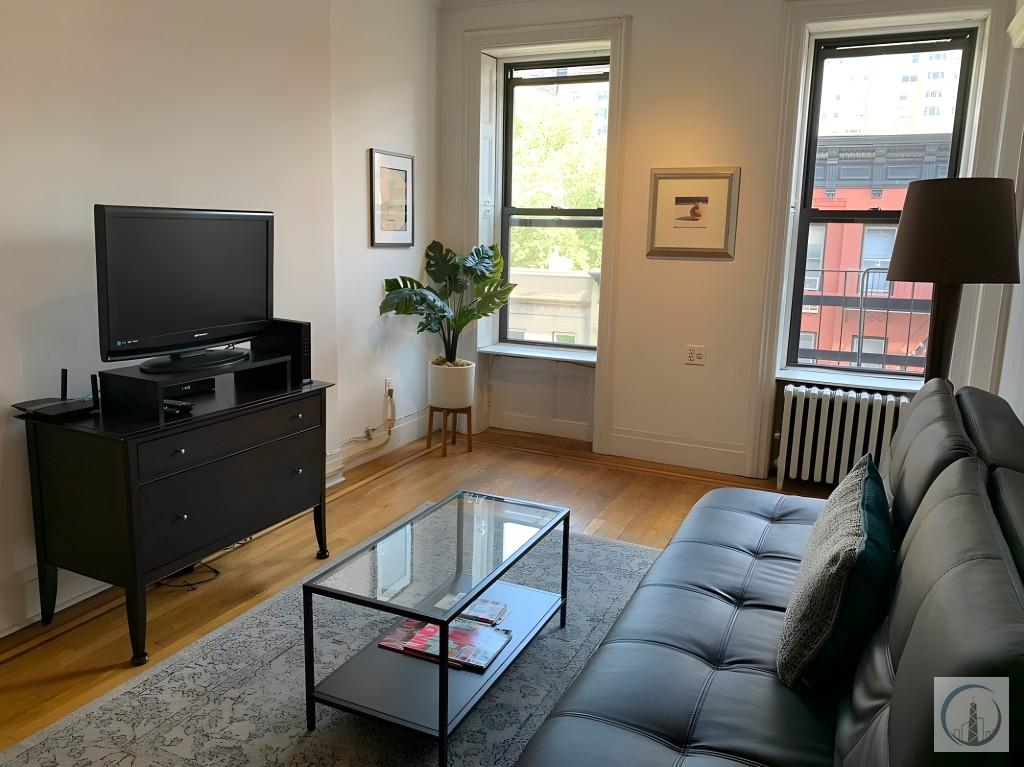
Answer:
x=556 y=132
x=862 y=152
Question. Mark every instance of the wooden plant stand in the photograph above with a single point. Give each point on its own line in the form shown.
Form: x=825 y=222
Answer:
x=454 y=412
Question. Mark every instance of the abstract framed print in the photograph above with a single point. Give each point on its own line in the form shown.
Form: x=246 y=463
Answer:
x=391 y=199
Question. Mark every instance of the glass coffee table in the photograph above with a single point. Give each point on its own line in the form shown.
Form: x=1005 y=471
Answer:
x=431 y=566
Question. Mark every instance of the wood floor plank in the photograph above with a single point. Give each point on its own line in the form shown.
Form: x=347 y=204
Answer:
x=48 y=672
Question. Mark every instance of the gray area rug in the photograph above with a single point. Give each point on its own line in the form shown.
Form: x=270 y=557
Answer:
x=236 y=696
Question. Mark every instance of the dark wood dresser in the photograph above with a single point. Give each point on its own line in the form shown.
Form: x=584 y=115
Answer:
x=130 y=503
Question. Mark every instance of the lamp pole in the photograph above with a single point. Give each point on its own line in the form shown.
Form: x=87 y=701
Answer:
x=942 y=328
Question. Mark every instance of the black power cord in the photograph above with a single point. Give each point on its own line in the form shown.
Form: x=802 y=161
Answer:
x=191 y=585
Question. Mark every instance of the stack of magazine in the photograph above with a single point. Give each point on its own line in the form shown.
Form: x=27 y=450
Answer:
x=474 y=640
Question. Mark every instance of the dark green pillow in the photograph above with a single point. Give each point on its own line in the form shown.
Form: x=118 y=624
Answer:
x=844 y=585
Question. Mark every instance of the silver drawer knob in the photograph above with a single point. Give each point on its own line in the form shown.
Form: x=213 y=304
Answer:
x=298 y=416
x=180 y=451
x=299 y=472
x=183 y=517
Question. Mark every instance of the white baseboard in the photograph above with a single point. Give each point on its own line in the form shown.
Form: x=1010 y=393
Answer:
x=555 y=427
x=71 y=589
x=723 y=457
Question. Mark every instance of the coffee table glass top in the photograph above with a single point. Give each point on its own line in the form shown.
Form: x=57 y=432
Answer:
x=437 y=560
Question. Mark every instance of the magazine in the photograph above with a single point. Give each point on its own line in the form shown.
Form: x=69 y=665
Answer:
x=471 y=645
x=487 y=611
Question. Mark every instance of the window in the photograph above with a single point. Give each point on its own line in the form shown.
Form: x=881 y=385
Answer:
x=555 y=144
x=871 y=355
x=815 y=257
x=875 y=255
x=808 y=343
x=854 y=182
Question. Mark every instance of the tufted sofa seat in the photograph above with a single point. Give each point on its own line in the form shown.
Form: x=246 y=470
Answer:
x=686 y=676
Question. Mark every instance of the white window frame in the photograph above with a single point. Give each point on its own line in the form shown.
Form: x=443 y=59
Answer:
x=791 y=164
x=482 y=49
x=983 y=317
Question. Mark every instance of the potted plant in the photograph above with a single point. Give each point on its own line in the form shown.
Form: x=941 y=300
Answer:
x=466 y=288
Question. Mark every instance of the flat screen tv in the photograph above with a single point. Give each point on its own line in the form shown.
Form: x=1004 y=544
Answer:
x=175 y=281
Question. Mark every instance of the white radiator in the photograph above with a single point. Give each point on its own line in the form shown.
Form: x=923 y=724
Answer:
x=825 y=431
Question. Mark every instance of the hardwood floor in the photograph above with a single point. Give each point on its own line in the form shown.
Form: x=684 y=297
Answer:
x=47 y=672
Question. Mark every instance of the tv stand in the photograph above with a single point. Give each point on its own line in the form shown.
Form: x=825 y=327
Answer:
x=129 y=497
x=184 y=362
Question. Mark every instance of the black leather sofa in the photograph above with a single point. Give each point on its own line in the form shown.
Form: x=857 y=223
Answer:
x=686 y=676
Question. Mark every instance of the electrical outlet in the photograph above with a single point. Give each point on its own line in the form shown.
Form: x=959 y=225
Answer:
x=388 y=386
x=695 y=354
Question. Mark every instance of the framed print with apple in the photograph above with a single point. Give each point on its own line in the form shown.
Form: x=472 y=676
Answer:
x=693 y=213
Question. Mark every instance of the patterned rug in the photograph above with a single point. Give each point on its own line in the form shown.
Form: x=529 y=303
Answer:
x=236 y=697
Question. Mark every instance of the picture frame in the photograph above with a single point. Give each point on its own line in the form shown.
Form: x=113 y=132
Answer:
x=693 y=213
x=392 y=200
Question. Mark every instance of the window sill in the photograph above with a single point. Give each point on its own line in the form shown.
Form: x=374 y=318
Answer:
x=816 y=377
x=555 y=353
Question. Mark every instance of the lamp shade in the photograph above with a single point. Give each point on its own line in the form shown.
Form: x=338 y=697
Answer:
x=957 y=230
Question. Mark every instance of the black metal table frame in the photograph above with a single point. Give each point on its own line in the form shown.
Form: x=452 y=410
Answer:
x=310 y=588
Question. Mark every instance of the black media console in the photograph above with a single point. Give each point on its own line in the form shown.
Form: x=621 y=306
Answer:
x=130 y=495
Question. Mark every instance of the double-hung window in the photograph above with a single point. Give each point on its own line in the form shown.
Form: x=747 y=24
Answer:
x=553 y=178
x=859 y=161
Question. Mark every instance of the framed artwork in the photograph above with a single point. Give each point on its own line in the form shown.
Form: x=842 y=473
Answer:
x=693 y=212
x=391 y=199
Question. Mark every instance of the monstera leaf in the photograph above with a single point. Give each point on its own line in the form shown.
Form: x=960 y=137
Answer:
x=473 y=284
x=478 y=264
x=444 y=266
x=408 y=296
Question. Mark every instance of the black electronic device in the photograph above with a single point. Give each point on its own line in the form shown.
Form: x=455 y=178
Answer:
x=61 y=408
x=290 y=337
x=177 y=404
x=190 y=388
x=178 y=281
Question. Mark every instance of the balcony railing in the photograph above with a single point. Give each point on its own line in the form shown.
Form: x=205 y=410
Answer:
x=856 y=318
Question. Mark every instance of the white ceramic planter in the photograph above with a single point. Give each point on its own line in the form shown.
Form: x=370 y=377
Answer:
x=451 y=387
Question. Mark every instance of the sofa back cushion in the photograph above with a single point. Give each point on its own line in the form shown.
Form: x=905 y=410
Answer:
x=930 y=437
x=957 y=610
x=1006 y=488
x=993 y=427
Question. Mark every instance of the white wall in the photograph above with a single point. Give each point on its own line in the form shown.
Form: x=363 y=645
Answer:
x=385 y=97
x=1011 y=380
x=203 y=104
x=703 y=86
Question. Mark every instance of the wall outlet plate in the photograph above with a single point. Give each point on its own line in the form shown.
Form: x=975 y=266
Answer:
x=696 y=354
x=388 y=386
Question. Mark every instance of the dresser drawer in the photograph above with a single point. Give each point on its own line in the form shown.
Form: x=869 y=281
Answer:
x=207 y=443
x=227 y=500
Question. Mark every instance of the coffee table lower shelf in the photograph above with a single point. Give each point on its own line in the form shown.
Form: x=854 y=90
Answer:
x=403 y=690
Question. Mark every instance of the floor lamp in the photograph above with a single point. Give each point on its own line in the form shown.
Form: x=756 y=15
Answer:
x=954 y=232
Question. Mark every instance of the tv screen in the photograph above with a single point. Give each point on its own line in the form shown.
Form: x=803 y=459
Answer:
x=173 y=280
